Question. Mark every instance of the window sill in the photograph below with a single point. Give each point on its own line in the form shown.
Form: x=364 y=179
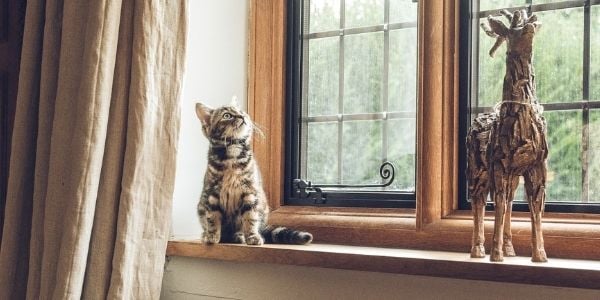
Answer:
x=556 y=272
x=570 y=236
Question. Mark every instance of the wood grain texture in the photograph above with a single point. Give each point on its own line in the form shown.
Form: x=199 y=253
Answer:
x=450 y=123
x=380 y=228
x=565 y=273
x=437 y=164
x=266 y=90
x=509 y=142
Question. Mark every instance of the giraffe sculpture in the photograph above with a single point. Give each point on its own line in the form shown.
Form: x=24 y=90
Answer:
x=509 y=142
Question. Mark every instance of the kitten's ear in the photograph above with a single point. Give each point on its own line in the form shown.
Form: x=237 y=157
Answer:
x=234 y=102
x=203 y=112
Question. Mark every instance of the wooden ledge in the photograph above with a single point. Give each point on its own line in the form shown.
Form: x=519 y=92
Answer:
x=565 y=236
x=556 y=272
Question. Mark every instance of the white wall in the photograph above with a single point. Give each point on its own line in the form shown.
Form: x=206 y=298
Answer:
x=187 y=278
x=216 y=69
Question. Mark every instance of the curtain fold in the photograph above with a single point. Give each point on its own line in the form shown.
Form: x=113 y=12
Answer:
x=94 y=146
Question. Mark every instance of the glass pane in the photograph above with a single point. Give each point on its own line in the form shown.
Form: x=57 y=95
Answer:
x=361 y=13
x=557 y=61
x=323 y=76
x=497 y=4
x=401 y=152
x=594 y=156
x=403 y=11
x=595 y=55
x=361 y=155
x=322 y=149
x=559 y=56
x=324 y=15
x=564 y=162
x=402 y=95
x=491 y=71
x=363 y=72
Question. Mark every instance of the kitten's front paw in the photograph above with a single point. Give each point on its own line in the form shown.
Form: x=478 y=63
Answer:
x=254 y=239
x=211 y=238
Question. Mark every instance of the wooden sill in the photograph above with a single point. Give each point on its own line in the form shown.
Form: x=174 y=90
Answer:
x=556 y=272
x=566 y=236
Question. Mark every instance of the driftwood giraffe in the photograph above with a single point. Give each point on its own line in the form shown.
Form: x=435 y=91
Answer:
x=509 y=142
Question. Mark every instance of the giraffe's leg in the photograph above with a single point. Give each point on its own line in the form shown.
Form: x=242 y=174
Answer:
x=478 y=208
x=535 y=186
x=499 y=193
x=508 y=246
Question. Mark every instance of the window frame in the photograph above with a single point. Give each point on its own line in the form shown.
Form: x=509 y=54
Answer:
x=435 y=223
x=467 y=92
x=294 y=85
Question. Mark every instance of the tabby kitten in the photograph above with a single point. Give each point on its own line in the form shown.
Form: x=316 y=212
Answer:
x=233 y=207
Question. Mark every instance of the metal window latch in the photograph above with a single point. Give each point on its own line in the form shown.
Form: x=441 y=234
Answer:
x=305 y=190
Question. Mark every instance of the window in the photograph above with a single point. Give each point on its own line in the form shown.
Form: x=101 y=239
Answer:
x=436 y=222
x=352 y=69
x=568 y=86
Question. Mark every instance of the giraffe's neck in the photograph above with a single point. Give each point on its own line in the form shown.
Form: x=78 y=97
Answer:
x=519 y=80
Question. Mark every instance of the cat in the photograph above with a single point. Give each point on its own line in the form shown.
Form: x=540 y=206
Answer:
x=233 y=207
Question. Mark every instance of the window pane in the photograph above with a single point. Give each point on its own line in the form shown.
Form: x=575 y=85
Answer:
x=323 y=78
x=378 y=96
x=363 y=72
x=402 y=76
x=401 y=152
x=559 y=64
x=564 y=162
x=595 y=57
x=559 y=56
x=594 y=156
x=324 y=15
x=322 y=149
x=362 y=146
x=497 y=4
x=363 y=13
x=403 y=11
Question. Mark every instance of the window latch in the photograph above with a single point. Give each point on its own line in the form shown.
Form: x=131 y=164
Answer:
x=305 y=190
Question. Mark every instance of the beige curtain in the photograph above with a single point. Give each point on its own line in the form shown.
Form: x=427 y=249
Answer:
x=93 y=153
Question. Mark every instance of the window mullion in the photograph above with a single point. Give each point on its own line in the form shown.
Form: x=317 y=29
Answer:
x=386 y=66
x=341 y=89
x=585 y=132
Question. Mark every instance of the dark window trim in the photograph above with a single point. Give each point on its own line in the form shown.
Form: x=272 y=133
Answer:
x=466 y=92
x=335 y=198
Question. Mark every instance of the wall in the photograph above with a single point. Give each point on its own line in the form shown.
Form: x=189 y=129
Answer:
x=216 y=70
x=188 y=278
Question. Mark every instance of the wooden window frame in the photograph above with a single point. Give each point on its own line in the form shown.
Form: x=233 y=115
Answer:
x=436 y=223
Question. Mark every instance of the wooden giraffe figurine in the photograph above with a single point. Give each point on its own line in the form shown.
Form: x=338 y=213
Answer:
x=509 y=143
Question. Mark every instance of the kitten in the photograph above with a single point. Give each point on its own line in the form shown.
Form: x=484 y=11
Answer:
x=233 y=207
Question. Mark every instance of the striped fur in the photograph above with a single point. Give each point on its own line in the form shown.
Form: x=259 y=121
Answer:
x=233 y=207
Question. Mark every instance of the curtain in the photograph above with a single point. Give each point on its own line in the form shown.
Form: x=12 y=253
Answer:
x=93 y=149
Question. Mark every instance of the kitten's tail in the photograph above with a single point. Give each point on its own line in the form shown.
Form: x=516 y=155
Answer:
x=284 y=235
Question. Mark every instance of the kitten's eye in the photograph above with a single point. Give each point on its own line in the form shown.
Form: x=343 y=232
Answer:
x=227 y=116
